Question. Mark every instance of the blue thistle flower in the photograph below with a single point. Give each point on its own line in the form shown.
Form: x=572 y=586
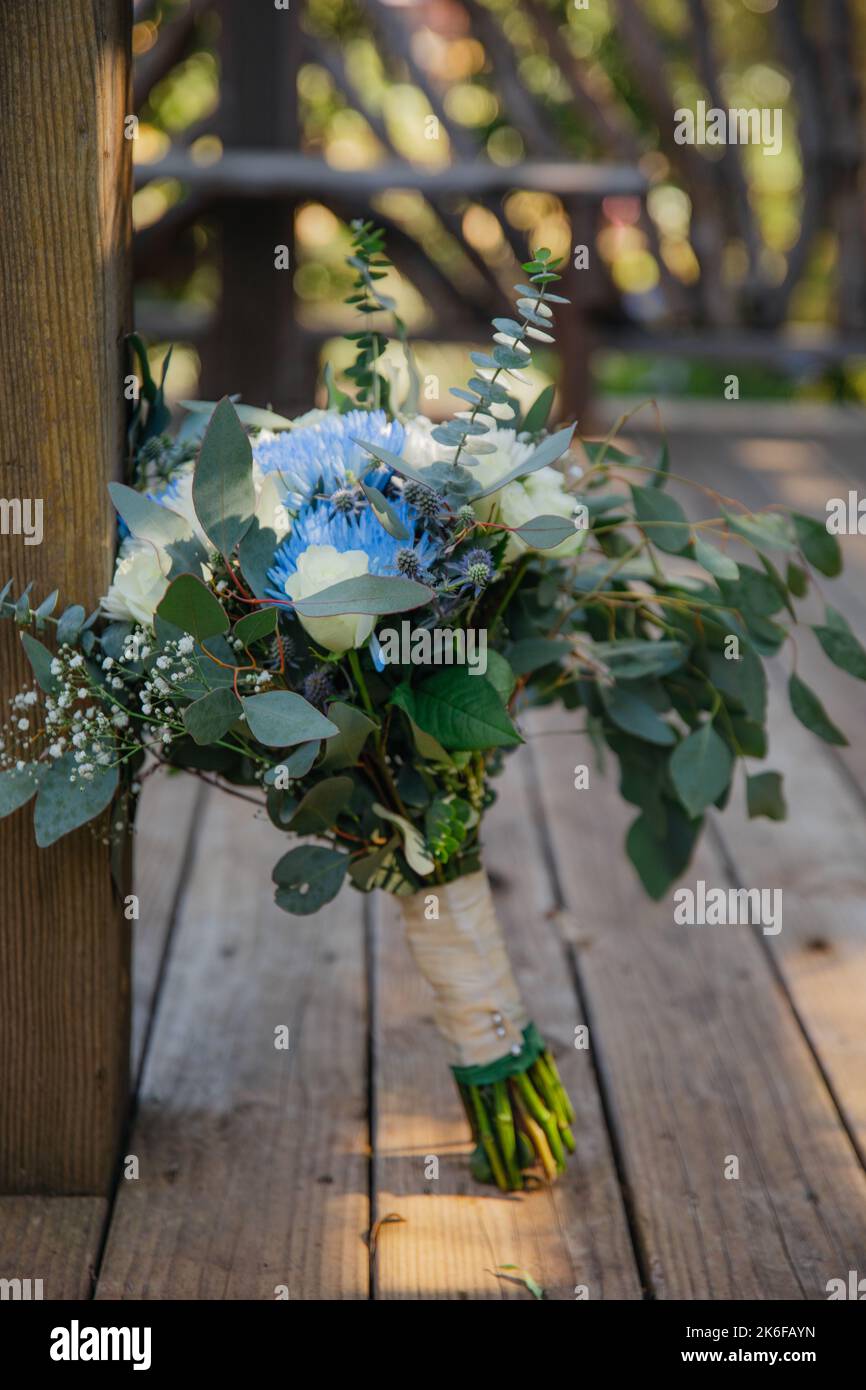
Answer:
x=319 y=525
x=476 y=569
x=322 y=460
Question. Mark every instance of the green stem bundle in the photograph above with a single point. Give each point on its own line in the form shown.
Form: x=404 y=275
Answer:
x=519 y=1122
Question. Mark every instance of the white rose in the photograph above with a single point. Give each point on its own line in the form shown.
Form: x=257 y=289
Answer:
x=541 y=493
x=320 y=566
x=140 y=580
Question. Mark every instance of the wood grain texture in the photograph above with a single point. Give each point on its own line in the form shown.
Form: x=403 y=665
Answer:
x=457 y=1235
x=54 y=1239
x=64 y=255
x=57 y=1239
x=253 y=1160
x=702 y=1059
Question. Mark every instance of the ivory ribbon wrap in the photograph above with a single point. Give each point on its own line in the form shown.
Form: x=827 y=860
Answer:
x=478 y=1009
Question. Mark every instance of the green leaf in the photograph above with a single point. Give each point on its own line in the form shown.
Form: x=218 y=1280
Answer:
x=213 y=715
x=662 y=466
x=530 y=653
x=384 y=512
x=700 y=769
x=742 y=683
x=70 y=624
x=548 y=451
x=364 y=871
x=763 y=529
x=189 y=605
x=147 y=520
x=16 y=788
x=462 y=712
x=428 y=748
x=337 y=399
x=661 y=852
x=797 y=580
x=500 y=675
x=764 y=796
x=321 y=806
x=62 y=806
x=252 y=415
x=545 y=532
x=414 y=849
x=521 y=1277
x=256 y=555
x=636 y=716
x=538 y=413
x=631 y=660
x=713 y=561
x=280 y=719
x=840 y=645
x=222 y=489
x=664 y=518
x=40 y=659
x=308 y=877
x=256 y=625
x=373 y=594
x=392 y=460
x=810 y=711
x=820 y=548
x=346 y=746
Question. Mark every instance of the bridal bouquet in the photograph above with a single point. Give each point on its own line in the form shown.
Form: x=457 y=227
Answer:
x=351 y=611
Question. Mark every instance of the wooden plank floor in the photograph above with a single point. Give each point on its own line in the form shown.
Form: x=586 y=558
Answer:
x=263 y=1171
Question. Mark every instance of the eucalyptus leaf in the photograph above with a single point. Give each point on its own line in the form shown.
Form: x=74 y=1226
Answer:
x=18 y=786
x=345 y=747
x=281 y=718
x=262 y=622
x=663 y=517
x=762 y=529
x=384 y=512
x=635 y=715
x=811 y=713
x=840 y=645
x=700 y=769
x=765 y=797
x=253 y=415
x=373 y=594
x=63 y=805
x=222 y=489
x=40 y=659
x=210 y=717
x=320 y=807
x=820 y=548
x=256 y=555
x=713 y=561
x=308 y=877
x=189 y=605
x=545 y=532
x=550 y=449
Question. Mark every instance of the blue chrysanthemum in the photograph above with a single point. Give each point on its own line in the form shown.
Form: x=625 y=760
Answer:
x=320 y=460
x=318 y=525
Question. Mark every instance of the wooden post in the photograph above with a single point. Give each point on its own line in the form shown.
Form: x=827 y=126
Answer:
x=256 y=347
x=64 y=288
